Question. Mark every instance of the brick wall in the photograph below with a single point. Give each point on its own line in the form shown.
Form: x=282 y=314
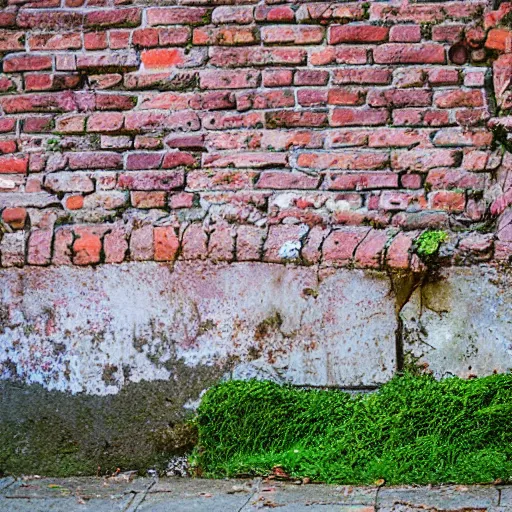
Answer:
x=242 y=131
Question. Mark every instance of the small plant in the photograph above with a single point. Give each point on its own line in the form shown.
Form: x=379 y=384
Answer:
x=429 y=242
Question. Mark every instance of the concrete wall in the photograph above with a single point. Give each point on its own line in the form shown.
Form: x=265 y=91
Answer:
x=212 y=189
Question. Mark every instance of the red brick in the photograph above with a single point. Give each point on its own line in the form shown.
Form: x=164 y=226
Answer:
x=141 y=243
x=166 y=243
x=405 y=34
x=140 y=161
x=396 y=53
x=11 y=41
x=219 y=79
x=287 y=180
x=74 y=202
x=348 y=160
x=241 y=15
x=148 y=199
x=357 y=34
x=421 y=117
x=443 y=76
x=162 y=58
x=254 y=56
x=221 y=244
x=447 y=33
x=338 y=55
x=130 y=17
x=119 y=39
x=15 y=217
x=15 y=63
x=16 y=164
x=499 y=39
x=181 y=200
x=277 y=77
x=399 y=98
x=178 y=16
x=312 y=97
x=280 y=13
x=373 y=76
x=459 y=98
x=95 y=40
x=194 y=243
x=225 y=36
x=115 y=245
x=361 y=181
x=291 y=119
x=249 y=243
x=105 y=122
x=265 y=100
x=447 y=200
x=398 y=255
x=359 y=117
x=86 y=249
x=292 y=34
x=95 y=160
x=370 y=251
x=423 y=160
x=151 y=180
x=339 y=247
x=39 y=251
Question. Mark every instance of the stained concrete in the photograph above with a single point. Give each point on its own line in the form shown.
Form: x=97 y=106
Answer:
x=93 y=358
x=460 y=323
x=94 y=330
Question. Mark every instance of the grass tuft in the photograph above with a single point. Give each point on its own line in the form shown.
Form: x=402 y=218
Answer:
x=414 y=430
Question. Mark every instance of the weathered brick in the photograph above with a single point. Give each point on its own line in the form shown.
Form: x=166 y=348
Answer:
x=398 y=53
x=178 y=16
x=12 y=249
x=166 y=243
x=194 y=243
x=15 y=217
x=219 y=79
x=115 y=245
x=221 y=244
x=39 y=250
x=372 y=76
x=339 y=247
x=13 y=164
x=86 y=247
x=117 y=17
x=241 y=15
x=26 y=62
x=141 y=243
x=359 y=117
x=287 y=180
x=459 y=98
x=357 y=34
x=151 y=180
x=249 y=243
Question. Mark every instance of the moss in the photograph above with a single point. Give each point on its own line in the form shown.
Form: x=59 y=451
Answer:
x=428 y=243
x=59 y=434
x=264 y=328
x=413 y=430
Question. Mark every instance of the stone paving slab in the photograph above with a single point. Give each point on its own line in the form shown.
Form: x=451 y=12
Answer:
x=445 y=497
x=122 y=494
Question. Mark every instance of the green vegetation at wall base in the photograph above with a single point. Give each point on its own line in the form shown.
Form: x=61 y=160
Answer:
x=414 y=430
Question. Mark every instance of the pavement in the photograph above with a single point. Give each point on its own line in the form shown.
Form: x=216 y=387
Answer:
x=124 y=493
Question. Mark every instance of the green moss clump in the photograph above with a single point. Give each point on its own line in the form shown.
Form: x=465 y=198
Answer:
x=428 y=242
x=414 y=430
